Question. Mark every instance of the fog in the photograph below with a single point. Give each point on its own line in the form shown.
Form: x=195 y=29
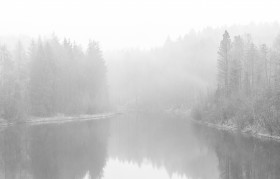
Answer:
x=177 y=73
x=139 y=89
x=172 y=75
x=128 y=23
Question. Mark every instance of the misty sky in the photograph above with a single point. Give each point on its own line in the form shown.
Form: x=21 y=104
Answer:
x=119 y=24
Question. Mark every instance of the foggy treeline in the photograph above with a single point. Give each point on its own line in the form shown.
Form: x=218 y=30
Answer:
x=248 y=82
x=51 y=77
x=178 y=73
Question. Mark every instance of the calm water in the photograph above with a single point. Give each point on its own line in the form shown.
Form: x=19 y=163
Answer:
x=134 y=146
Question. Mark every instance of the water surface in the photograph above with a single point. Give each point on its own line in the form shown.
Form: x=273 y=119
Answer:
x=134 y=146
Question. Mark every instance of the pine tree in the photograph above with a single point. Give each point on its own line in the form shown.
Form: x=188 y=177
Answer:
x=237 y=55
x=276 y=64
x=252 y=57
x=250 y=64
x=223 y=63
x=42 y=80
x=96 y=72
x=264 y=66
x=7 y=84
x=21 y=80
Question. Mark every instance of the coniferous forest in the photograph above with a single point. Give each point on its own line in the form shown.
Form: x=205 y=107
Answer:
x=51 y=78
x=248 y=81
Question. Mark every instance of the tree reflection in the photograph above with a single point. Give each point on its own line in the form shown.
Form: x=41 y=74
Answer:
x=193 y=150
x=164 y=140
x=54 y=151
x=75 y=149
x=242 y=157
x=13 y=161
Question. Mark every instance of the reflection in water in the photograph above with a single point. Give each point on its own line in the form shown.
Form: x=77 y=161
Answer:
x=134 y=146
x=117 y=169
x=54 y=151
x=13 y=153
x=168 y=142
x=240 y=156
x=192 y=150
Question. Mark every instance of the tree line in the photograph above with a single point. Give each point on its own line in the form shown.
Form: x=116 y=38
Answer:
x=51 y=78
x=246 y=68
x=248 y=85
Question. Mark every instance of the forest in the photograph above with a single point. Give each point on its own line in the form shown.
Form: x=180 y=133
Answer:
x=180 y=72
x=248 y=84
x=51 y=78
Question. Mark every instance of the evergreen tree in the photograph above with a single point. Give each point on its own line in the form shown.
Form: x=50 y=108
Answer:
x=96 y=76
x=223 y=63
x=276 y=63
x=263 y=67
x=236 y=60
x=250 y=67
x=21 y=80
x=7 y=84
x=42 y=80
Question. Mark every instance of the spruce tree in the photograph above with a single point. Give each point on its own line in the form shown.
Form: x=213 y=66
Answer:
x=223 y=63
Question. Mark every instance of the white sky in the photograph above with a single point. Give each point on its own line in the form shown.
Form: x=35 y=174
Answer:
x=118 y=24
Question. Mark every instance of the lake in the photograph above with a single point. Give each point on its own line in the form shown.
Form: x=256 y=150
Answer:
x=134 y=146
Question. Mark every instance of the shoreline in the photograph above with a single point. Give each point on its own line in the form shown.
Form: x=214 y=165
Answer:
x=59 y=119
x=233 y=129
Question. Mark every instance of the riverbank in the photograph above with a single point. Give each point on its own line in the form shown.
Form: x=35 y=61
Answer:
x=256 y=115
x=253 y=131
x=59 y=119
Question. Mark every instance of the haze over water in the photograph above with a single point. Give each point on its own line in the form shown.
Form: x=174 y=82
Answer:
x=139 y=89
x=134 y=146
